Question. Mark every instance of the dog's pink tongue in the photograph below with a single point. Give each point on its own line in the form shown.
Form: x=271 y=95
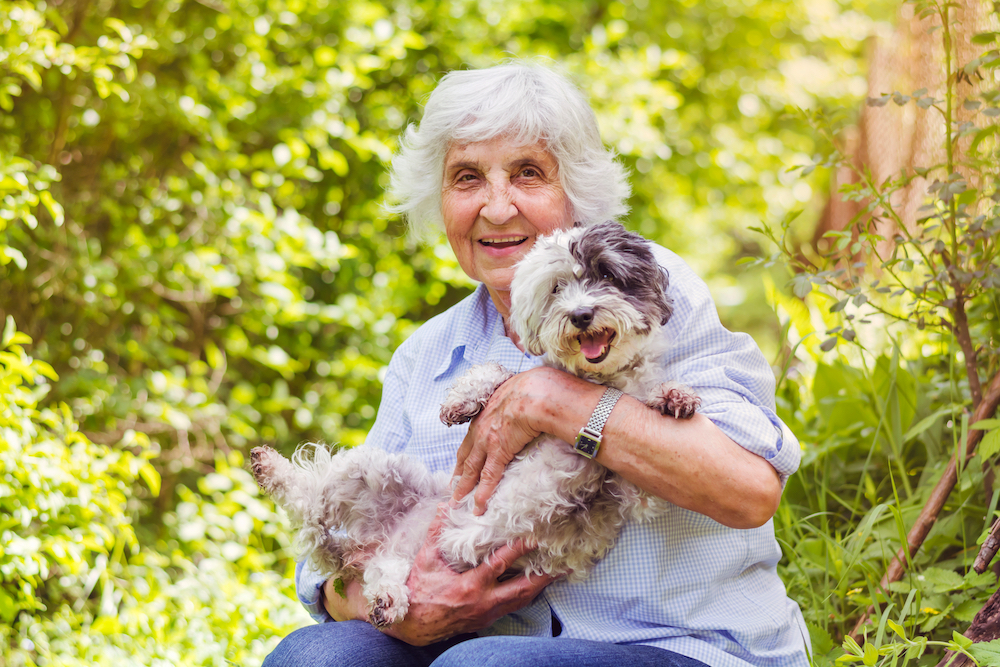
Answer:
x=593 y=346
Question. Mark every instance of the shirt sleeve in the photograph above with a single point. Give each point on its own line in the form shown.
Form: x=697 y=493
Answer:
x=309 y=589
x=728 y=372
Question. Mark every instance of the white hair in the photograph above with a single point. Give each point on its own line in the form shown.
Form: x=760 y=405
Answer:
x=526 y=102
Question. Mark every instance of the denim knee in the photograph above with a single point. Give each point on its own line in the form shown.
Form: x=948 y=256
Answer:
x=351 y=644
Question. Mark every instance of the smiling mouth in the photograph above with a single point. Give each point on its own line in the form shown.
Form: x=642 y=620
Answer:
x=596 y=347
x=506 y=242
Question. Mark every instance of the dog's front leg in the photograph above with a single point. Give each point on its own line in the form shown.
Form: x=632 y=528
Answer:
x=674 y=399
x=472 y=391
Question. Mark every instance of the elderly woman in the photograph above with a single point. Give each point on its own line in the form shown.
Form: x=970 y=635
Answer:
x=502 y=156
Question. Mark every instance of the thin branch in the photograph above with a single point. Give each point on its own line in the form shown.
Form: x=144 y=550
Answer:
x=989 y=549
x=918 y=533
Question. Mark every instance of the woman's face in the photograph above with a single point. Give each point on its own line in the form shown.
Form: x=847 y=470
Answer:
x=496 y=199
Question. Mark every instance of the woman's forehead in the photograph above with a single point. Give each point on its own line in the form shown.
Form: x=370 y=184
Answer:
x=499 y=149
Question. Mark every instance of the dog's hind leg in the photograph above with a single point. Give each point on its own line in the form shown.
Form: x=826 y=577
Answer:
x=386 y=573
x=471 y=392
x=385 y=588
x=280 y=479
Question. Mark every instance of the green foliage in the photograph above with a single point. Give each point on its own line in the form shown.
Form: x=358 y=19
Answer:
x=77 y=587
x=191 y=232
x=880 y=417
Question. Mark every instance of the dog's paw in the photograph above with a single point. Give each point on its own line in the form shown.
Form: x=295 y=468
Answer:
x=458 y=412
x=388 y=607
x=676 y=400
x=262 y=465
x=472 y=391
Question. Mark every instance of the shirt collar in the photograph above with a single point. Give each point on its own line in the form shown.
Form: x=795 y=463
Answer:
x=476 y=325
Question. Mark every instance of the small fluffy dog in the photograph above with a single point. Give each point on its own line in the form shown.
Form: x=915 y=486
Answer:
x=592 y=300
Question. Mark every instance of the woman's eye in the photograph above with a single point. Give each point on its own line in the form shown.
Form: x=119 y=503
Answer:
x=530 y=172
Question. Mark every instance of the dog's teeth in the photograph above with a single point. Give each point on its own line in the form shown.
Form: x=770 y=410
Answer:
x=595 y=347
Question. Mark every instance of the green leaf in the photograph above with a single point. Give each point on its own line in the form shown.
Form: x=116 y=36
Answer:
x=870 y=655
x=852 y=646
x=990 y=444
x=985 y=37
x=917 y=648
x=986 y=653
x=52 y=206
x=151 y=477
x=967 y=611
x=961 y=640
x=8 y=332
x=941 y=580
x=8 y=607
x=925 y=424
x=801 y=285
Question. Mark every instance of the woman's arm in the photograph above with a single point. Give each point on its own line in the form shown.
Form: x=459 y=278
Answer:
x=690 y=463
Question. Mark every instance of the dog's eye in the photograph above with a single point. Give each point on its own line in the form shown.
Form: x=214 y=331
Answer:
x=555 y=290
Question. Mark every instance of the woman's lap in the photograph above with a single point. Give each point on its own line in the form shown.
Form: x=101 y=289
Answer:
x=351 y=644
x=357 y=644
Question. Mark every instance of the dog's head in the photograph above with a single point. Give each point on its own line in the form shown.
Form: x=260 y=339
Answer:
x=589 y=297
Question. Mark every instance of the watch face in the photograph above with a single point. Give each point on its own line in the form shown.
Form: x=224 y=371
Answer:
x=586 y=445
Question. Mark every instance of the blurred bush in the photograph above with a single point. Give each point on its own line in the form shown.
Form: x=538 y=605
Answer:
x=77 y=587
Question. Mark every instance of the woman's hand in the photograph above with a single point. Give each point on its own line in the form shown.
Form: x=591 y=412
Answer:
x=347 y=607
x=444 y=603
x=497 y=434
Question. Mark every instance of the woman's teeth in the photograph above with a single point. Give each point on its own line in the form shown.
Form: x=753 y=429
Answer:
x=506 y=241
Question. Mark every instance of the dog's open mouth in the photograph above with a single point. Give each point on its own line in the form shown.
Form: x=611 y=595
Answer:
x=596 y=346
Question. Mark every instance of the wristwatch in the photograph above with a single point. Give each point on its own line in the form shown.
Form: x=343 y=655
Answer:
x=589 y=440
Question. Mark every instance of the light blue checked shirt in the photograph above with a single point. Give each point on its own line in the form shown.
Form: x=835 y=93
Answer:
x=683 y=581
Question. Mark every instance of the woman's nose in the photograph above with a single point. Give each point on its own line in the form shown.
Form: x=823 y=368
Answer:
x=499 y=206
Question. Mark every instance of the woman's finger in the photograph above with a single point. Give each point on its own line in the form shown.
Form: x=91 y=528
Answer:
x=471 y=470
x=515 y=593
x=463 y=453
x=489 y=479
x=503 y=559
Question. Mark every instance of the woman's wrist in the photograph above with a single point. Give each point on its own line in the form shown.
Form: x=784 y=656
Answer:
x=540 y=399
x=563 y=403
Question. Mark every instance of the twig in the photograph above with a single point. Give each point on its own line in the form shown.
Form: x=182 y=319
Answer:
x=918 y=533
x=988 y=550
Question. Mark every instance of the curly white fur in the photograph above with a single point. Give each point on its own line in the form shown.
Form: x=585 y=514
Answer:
x=365 y=512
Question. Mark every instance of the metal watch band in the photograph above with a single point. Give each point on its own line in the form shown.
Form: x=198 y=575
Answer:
x=588 y=442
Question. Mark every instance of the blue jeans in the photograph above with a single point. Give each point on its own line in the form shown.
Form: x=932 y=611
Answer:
x=357 y=644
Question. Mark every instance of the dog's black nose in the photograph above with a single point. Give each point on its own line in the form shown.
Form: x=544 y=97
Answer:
x=582 y=317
